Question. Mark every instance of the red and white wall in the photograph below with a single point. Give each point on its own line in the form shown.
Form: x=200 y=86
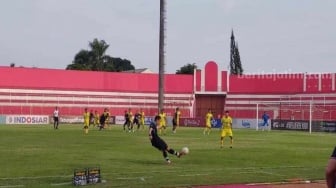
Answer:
x=38 y=91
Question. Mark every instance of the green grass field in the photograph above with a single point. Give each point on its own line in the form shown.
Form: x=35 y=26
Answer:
x=38 y=156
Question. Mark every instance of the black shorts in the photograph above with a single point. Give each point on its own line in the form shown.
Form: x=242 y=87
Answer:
x=55 y=119
x=159 y=144
x=86 y=127
x=174 y=123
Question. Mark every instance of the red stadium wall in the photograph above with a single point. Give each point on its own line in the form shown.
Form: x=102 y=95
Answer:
x=35 y=78
x=37 y=91
x=266 y=84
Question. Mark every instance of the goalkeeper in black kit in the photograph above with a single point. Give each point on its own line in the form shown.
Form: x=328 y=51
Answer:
x=160 y=144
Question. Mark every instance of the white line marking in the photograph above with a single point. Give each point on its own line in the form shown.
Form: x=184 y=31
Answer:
x=194 y=175
x=59 y=184
x=133 y=178
x=168 y=171
x=36 y=177
x=9 y=186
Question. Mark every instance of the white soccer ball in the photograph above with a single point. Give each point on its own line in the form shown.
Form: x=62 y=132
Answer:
x=185 y=150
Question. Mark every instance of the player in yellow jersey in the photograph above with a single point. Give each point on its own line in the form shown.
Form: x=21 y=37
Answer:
x=142 y=119
x=163 y=122
x=86 y=116
x=96 y=119
x=176 y=119
x=208 y=119
x=226 y=128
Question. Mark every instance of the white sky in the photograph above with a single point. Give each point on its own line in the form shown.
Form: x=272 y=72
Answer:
x=273 y=35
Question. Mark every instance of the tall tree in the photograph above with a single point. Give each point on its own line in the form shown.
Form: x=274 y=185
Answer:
x=235 y=62
x=95 y=59
x=98 y=48
x=187 y=69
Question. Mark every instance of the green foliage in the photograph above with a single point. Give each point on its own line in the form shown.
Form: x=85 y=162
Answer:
x=236 y=67
x=38 y=156
x=96 y=59
x=187 y=69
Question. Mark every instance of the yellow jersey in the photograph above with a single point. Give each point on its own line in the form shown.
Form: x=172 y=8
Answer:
x=163 y=119
x=208 y=118
x=178 y=114
x=86 y=118
x=226 y=122
x=142 y=118
x=96 y=118
x=130 y=115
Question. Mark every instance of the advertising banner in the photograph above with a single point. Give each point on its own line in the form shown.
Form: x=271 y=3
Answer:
x=298 y=125
x=192 y=122
x=247 y=123
x=27 y=119
x=2 y=119
x=119 y=120
x=148 y=120
x=324 y=126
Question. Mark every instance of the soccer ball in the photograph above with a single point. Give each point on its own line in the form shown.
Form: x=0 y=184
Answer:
x=185 y=150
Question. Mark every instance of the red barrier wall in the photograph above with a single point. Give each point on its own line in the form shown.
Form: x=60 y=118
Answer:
x=268 y=83
x=34 y=78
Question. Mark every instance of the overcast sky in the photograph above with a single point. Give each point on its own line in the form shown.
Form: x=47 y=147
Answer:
x=273 y=35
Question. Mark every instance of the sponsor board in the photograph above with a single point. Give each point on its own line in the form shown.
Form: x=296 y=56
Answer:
x=192 y=122
x=298 y=125
x=2 y=119
x=76 y=119
x=119 y=120
x=27 y=119
x=240 y=123
x=148 y=120
x=324 y=126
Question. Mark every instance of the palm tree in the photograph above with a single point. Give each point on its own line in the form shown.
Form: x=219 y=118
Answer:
x=98 y=48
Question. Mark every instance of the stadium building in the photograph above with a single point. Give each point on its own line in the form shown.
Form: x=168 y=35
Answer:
x=37 y=91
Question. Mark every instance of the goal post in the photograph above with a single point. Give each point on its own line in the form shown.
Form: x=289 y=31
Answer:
x=304 y=115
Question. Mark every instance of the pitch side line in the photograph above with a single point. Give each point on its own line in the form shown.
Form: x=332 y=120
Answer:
x=168 y=171
x=10 y=186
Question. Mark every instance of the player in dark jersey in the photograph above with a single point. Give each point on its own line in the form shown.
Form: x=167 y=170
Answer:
x=91 y=118
x=158 y=143
x=136 y=121
x=102 y=119
x=127 y=120
x=331 y=170
x=176 y=119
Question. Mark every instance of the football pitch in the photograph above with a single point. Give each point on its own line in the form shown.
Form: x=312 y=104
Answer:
x=39 y=156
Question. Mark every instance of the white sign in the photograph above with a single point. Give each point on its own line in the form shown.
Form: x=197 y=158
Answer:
x=70 y=119
x=27 y=119
x=246 y=123
x=119 y=120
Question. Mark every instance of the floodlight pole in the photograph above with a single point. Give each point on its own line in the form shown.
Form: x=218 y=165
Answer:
x=257 y=117
x=161 y=54
x=310 y=116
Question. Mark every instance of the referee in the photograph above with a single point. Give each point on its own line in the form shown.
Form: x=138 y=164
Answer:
x=56 y=116
x=158 y=143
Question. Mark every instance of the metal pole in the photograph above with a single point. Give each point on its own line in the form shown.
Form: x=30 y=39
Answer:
x=257 y=117
x=161 y=54
x=310 y=116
